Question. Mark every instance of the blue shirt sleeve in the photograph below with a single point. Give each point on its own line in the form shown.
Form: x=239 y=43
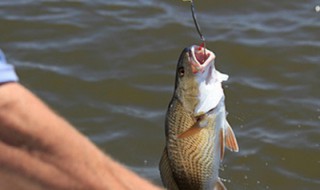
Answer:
x=7 y=73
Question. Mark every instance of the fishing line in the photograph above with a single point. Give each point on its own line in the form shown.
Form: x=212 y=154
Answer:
x=194 y=16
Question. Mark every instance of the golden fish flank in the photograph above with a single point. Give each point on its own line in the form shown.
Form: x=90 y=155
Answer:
x=196 y=128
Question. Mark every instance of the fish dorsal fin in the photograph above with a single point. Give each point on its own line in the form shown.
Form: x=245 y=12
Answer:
x=219 y=185
x=222 y=144
x=196 y=128
x=230 y=139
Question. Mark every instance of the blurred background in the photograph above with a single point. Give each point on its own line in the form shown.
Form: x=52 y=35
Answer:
x=108 y=67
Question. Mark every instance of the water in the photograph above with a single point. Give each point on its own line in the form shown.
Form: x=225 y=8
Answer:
x=108 y=67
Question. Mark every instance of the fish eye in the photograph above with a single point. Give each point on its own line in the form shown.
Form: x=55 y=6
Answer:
x=181 y=71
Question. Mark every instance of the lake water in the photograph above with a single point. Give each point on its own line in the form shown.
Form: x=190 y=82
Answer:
x=108 y=67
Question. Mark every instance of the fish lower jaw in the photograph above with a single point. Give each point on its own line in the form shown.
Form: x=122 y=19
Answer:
x=201 y=56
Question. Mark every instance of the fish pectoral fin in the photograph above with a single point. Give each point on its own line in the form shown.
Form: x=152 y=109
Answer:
x=230 y=139
x=190 y=132
x=219 y=185
x=196 y=128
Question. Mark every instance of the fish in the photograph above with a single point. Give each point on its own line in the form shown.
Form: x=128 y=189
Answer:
x=196 y=128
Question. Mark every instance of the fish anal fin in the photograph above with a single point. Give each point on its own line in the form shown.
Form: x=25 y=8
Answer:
x=230 y=138
x=190 y=132
x=222 y=144
x=219 y=185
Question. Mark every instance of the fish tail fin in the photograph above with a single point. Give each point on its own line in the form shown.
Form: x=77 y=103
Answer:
x=231 y=141
x=219 y=185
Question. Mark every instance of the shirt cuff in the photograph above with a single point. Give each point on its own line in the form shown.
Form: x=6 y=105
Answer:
x=7 y=72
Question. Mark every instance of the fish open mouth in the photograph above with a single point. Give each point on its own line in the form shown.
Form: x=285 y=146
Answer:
x=201 y=58
x=201 y=55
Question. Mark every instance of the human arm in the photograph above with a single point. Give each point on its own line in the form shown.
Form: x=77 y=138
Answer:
x=40 y=150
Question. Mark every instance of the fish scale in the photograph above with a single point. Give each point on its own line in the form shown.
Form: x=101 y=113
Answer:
x=196 y=128
x=181 y=151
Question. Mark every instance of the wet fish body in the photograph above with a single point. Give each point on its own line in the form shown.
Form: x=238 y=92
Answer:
x=196 y=128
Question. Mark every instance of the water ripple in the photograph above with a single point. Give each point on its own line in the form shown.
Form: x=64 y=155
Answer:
x=108 y=66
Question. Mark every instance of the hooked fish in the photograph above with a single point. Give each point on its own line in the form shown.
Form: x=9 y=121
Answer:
x=196 y=128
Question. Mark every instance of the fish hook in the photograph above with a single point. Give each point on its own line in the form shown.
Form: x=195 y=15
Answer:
x=194 y=16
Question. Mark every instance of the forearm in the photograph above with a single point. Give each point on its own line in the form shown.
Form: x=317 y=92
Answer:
x=36 y=144
x=40 y=150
